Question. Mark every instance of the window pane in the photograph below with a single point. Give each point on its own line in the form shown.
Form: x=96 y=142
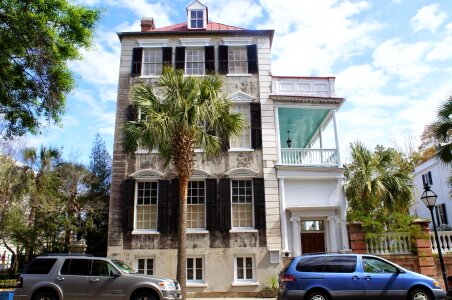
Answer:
x=339 y=264
x=99 y=268
x=194 y=62
x=141 y=266
x=244 y=139
x=310 y=264
x=40 y=266
x=76 y=267
x=373 y=265
x=237 y=60
x=152 y=62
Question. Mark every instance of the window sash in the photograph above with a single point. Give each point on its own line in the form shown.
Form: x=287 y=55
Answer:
x=146 y=217
x=194 y=62
x=196 y=19
x=244 y=268
x=146 y=266
x=152 y=62
x=196 y=209
x=195 y=269
x=243 y=140
x=242 y=203
x=237 y=60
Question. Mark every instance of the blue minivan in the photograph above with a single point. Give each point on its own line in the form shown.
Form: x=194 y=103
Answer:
x=353 y=276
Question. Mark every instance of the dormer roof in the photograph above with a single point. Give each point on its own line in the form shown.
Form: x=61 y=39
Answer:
x=211 y=26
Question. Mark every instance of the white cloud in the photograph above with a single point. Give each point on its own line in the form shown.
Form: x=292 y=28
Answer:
x=441 y=51
x=428 y=18
x=403 y=61
x=241 y=13
x=315 y=44
x=360 y=79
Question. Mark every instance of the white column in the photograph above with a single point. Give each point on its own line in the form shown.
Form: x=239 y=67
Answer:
x=343 y=215
x=296 y=238
x=332 y=221
x=336 y=138
x=282 y=207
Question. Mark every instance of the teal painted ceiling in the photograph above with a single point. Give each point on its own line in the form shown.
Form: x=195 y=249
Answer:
x=302 y=123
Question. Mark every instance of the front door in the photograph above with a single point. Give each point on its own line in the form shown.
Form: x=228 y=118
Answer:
x=312 y=236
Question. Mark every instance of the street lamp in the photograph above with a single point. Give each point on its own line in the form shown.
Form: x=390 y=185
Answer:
x=429 y=199
x=289 y=141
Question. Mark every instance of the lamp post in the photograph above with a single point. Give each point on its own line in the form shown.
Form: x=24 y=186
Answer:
x=289 y=141
x=429 y=199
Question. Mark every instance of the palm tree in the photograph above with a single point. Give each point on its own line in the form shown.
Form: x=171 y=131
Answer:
x=442 y=131
x=377 y=182
x=192 y=113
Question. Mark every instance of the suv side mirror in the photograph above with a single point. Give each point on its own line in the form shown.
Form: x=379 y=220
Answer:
x=114 y=273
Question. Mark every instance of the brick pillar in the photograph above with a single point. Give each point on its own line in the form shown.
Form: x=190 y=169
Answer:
x=423 y=248
x=357 y=238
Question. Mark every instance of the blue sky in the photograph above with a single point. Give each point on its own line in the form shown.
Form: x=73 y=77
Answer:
x=392 y=60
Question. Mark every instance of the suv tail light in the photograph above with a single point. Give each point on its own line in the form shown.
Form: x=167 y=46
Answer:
x=20 y=282
x=287 y=278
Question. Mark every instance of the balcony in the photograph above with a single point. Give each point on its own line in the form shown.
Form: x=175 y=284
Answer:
x=309 y=157
x=304 y=86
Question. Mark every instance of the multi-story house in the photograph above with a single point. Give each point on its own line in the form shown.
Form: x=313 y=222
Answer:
x=302 y=165
x=226 y=236
x=436 y=174
x=237 y=201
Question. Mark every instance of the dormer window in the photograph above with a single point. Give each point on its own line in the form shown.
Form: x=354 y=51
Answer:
x=197 y=19
x=197 y=16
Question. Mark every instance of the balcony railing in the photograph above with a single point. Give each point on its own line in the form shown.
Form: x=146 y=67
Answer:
x=309 y=157
x=445 y=241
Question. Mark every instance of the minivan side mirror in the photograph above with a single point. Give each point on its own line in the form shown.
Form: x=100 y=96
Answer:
x=114 y=273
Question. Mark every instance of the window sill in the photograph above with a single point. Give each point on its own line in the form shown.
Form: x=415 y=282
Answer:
x=243 y=230
x=197 y=231
x=147 y=232
x=149 y=76
x=196 y=284
x=238 y=75
x=245 y=283
x=195 y=75
x=240 y=150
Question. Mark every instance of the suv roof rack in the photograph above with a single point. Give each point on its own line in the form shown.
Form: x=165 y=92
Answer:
x=67 y=254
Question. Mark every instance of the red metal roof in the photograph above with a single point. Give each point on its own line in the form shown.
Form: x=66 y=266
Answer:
x=211 y=26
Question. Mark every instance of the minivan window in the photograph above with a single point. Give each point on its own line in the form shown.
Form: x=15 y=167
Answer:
x=75 y=266
x=40 y=266
x=339 y=264
x=310 y=264
x=374 y=265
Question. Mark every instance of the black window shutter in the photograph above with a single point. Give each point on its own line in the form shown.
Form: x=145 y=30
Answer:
x=164 y=210
x=180 y=58
x=256 y=126
x=225 y=202
x=430 y=180
x=223 y=59
x=174 y=199
x=137 y=56
x=129 y=195
x=167 y=56
x=251 y=51
x=438 y=220
x=132 y=113
x=209 y=53
x=259 y=203
x=212 y=206
x=225 y=143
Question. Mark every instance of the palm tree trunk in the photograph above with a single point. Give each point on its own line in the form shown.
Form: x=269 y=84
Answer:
x=182 y=237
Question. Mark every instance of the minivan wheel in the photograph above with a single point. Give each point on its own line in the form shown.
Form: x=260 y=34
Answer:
x=420 y=294
x=144 y=296
x=45 y=296
x=318 y=295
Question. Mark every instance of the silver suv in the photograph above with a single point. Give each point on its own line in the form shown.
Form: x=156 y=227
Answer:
x=75 y=277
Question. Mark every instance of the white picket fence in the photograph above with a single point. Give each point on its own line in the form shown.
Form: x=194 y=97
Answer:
x=445 y=241
x=388 y=243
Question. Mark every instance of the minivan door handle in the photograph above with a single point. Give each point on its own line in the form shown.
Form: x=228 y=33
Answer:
x=368 y=278
x=59 y=278
x=355 y=277
x=94 y=280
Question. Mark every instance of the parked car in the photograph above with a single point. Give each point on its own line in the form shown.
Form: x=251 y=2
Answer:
x=70 y=277
x=353 y=276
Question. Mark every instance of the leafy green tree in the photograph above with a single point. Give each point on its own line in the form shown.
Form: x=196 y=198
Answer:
x=37 y=39
x=378 y=185
x=98 y=196
x=442 y=131
x=193 y=112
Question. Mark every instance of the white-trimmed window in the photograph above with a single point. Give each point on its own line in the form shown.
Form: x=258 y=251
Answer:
x=145 y=266
x=196 y=208
x=195 y=269
x=194 y=62
x=152 y=62
x=244 y=139
x=242 y=203
x=146 y=205
x=237 y=60
x=196 y=19
x=244 y=268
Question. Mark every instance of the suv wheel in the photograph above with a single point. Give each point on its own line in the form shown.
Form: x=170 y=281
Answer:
x=45 y=296
x=420 y=294
x=144 y=296
x=319 y=295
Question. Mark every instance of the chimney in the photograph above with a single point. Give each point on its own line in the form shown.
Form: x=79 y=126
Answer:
x=147 y=24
